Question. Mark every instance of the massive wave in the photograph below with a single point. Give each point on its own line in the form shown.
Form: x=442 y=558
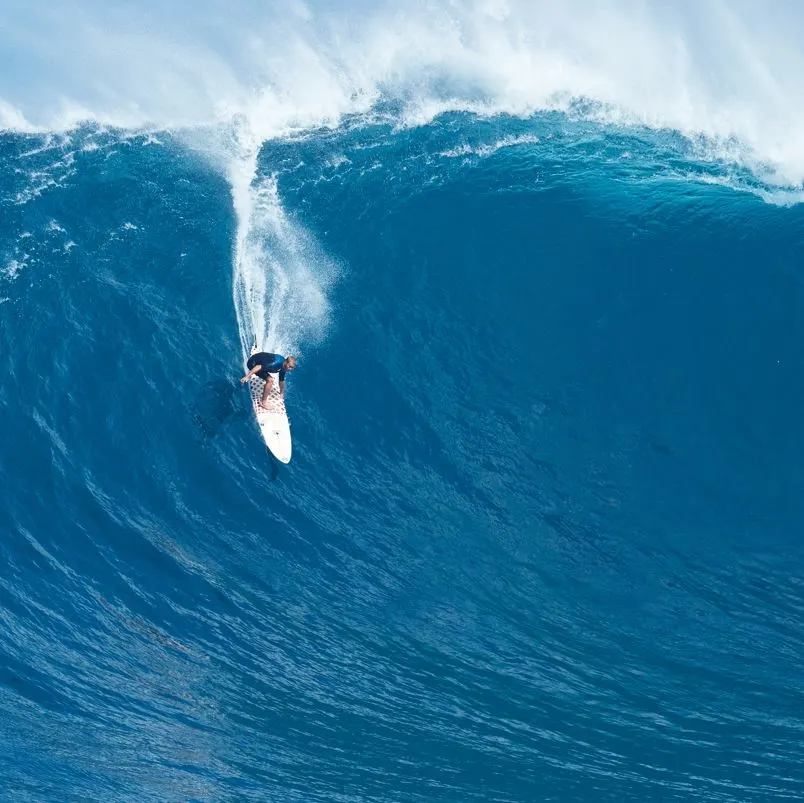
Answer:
x=538 y=539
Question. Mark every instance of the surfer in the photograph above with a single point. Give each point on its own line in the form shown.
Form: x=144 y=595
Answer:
x=264 y=365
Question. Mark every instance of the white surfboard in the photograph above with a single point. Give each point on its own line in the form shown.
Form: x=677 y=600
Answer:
x=271 y=417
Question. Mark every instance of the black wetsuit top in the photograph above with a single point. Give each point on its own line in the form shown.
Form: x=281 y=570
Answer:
x=269 y=364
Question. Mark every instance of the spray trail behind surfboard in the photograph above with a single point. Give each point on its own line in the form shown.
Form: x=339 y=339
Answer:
x=280 y=275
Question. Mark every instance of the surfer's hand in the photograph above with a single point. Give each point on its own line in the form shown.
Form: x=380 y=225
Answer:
x=244 y=379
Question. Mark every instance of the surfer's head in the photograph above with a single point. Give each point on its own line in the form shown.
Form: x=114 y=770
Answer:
x=289 y=364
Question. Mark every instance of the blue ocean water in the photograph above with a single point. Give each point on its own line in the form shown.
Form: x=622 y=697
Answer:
x=540 y=537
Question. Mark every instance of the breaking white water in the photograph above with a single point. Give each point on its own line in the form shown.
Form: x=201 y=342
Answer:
x=725 y=72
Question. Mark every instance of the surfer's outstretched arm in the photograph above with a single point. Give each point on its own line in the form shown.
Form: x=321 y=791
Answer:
x=251 y=373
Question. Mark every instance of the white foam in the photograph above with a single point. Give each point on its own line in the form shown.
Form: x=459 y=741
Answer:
x=13 y=119
x=729 y=71
x=281 y=276
x=46 y=177
x=777 y=196
x=482 y=151
x=13 y=268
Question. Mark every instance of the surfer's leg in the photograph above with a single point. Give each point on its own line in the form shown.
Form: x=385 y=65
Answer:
x=265 y=391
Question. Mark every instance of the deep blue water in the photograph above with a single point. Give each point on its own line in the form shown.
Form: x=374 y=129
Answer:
x=541 y=535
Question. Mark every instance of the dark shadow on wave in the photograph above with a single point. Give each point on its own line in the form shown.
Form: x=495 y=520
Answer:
x=274 y=465
x=215 y=405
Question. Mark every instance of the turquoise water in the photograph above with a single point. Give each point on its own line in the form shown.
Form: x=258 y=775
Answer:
x=539 y=539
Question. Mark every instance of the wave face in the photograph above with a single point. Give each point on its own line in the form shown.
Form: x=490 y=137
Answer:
x=539 y=538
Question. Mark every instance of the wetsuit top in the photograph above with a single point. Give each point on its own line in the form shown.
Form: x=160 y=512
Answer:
x=271 y=364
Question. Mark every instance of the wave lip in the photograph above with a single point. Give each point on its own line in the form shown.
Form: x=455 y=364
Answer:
x=726 y=73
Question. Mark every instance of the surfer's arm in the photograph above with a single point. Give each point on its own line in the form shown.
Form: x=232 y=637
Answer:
x=251 y=373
